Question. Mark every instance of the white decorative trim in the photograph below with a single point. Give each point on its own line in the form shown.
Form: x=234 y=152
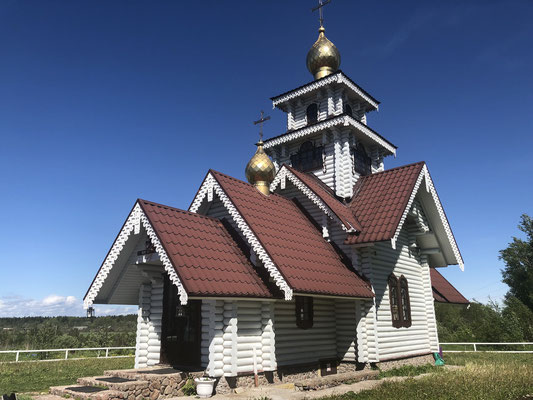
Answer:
x=338 y=77
x=444 y=219
x=134 y=220
x=275 y=274
x=284 y=173
x=344 y=120
x=169 y=268
x=424 y=174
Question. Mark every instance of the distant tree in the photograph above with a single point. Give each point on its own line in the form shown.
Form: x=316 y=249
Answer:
x=518 y=258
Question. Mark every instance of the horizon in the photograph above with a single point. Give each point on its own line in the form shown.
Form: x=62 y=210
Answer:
x=104 y=103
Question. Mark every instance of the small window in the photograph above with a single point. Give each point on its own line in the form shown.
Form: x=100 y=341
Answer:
x=312 y=114
x=400 y=306
x=361 y=160
x=348 y=110
x=308 y=158
x=406 y=306
x=304 y=312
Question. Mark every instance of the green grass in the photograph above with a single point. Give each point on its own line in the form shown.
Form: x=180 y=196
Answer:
x=39 y=376
x=484 y=376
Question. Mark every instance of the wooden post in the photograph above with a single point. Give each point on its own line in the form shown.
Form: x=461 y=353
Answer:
x=66 y=354
x=17 y=357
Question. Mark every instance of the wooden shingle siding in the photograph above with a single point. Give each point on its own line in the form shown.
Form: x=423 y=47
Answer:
x=399 y=342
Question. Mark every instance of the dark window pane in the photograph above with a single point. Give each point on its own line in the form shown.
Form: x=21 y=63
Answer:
x=304 y=312
x=308 y=158
x=348 y=110
x=312 y=114
x=361 y=160
x=405 y=303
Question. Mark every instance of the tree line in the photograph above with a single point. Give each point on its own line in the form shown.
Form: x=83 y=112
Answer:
x=33 y=333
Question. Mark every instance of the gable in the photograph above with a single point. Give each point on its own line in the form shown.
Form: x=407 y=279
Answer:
x=383 y=201
x=281 y=235
x=121 y=250
x=319 y=194
x=196 y=252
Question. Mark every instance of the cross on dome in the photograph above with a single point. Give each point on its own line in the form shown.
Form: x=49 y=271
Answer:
x=321 y=4
x=261 y=121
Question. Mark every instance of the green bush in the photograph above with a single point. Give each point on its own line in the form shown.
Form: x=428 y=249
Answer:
x=189 y=389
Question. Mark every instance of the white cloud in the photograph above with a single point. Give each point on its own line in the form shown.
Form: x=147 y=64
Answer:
x=54 y=305
x=53 y=299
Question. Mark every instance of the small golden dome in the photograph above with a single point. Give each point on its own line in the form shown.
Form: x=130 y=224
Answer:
x=323 y=57
x=260 y=170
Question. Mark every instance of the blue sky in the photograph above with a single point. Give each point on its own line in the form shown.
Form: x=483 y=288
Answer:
x=103 y=102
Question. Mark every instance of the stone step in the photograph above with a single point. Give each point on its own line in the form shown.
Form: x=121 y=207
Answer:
x=161 y=381
x=115 y=383
x=87 y=392
x=335 y=380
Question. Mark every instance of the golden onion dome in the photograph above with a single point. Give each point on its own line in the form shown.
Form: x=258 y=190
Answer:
x=260 y=170
x=323 y=58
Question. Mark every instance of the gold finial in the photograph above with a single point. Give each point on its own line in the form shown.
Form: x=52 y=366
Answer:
x=323 y=58
x=260 y=170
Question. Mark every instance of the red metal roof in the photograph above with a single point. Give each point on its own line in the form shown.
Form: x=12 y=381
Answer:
x=379 y=201
x=205 y=256
x=443 y=291
x=307 y=262
x=341 y=210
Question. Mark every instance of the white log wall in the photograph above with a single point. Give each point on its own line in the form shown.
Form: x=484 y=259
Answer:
x=430 y=306
x=233 y=332
x=368 y=323
x=346 y=327
x=143 y=315
x=148 y=343
x=299 y=346
x=401 y=342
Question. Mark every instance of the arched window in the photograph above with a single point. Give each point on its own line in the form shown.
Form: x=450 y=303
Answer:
x=400 y=306
x=361 y=160
x=312 y=114
x=348 y=110
x=308 y=158
x=304 y=312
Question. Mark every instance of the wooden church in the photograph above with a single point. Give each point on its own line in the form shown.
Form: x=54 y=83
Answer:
x=322 y=262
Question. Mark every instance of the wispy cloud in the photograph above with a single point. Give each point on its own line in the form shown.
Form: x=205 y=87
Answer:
x=418 y=20
x=54 y=305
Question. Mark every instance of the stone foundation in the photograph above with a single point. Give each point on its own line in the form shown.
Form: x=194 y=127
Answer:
x=417 y=360
x=227 y=384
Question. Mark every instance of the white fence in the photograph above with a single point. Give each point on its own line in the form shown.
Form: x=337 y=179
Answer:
x=67 y=352
x=475 y=347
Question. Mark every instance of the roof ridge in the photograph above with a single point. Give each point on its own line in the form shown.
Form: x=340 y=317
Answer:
x=277 y=196
x=153 y=203
x=394 y=169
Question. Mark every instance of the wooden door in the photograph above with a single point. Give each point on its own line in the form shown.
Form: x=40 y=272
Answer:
x=180 y=330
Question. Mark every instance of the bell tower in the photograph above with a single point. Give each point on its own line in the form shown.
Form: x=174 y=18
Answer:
x=327 y=132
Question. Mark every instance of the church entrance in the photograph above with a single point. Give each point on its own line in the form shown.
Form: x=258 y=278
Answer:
x=180 y=330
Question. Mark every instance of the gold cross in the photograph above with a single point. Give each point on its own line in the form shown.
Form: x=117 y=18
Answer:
x=321 y=3
x=261 y=122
